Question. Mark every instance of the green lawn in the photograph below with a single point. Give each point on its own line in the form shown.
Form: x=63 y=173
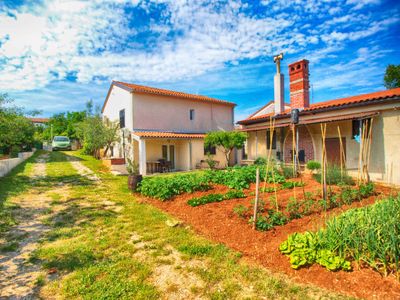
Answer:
x=103 y=244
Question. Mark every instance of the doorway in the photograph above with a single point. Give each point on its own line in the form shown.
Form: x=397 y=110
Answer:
x=333 y=150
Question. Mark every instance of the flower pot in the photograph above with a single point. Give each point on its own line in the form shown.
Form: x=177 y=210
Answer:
x=133 y=181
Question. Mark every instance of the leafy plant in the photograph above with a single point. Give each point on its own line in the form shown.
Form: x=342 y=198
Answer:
x=132 y=167
x=294 y=208
x=313 y=165
x=216 y=198
x=334 y=175
x=241 y=210
x=303 y=250
x=292 y=184
x=165 y=187
x=210 y=161
x=287 y=171
x=274 y=218
x=261 y=161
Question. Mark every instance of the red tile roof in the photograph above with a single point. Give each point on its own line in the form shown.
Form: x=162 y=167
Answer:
x=39 y=120
x=338 y=103
x=169 y=135
x=156 y=91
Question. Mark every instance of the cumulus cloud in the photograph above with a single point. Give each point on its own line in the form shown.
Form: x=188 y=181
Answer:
x=166 y=41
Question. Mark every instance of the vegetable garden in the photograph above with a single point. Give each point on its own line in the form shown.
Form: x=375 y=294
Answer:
x=296 y=227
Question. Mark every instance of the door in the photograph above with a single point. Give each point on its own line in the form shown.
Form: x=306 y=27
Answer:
x=172 y=156
x=333 y=150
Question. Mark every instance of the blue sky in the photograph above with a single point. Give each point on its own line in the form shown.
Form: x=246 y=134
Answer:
x=56 y=55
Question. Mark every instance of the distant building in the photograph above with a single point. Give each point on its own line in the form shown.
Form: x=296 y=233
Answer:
x=39 y=121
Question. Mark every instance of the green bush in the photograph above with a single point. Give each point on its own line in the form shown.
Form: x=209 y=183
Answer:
x=216 y=198
x=292 y=184
x=287 y=172
x=14 y=151
x=261 y=161
x=313 y=165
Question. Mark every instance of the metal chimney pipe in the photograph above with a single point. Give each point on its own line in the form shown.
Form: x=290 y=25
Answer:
x=279 y=91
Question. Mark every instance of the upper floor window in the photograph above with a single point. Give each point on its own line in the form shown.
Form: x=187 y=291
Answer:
x=122 y=118
x=191 y=114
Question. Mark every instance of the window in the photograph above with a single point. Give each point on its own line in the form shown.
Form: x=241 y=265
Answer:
x=122 y=118
x=269 y=139
x=165 y=152
x=355 y=129
x=212 y=150
x=191 y=114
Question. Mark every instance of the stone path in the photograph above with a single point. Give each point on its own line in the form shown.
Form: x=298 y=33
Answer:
x=17 y=275
x=82 y=169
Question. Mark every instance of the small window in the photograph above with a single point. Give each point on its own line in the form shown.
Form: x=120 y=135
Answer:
x=191 y=114
x=269 y=139
x=122 y=118
x=210 y=150
x=165 y=152
x=355 y=129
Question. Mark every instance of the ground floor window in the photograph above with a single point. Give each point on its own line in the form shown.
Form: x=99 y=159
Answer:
x=210 y=150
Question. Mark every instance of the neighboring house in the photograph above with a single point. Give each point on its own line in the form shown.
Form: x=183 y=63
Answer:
x=163 y=124
x=39 y=121
x=346 y=113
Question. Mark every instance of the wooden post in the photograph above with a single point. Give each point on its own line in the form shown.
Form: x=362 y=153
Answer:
x=256 y=199
x=323 y=174
x=341 y=153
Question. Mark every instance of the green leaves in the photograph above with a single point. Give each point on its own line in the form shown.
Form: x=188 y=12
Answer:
x=165 y=187
x=216 y=198
x=304 y=249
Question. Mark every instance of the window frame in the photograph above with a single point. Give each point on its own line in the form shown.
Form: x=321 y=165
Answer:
x=191 y=114
x=122 y=117
x=211 y=149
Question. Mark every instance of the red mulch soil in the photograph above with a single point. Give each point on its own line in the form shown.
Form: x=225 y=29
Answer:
x=216 y=221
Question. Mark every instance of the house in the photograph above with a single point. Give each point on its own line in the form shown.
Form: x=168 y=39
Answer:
x=161 y=125
x=39 y=121
x=350 y=115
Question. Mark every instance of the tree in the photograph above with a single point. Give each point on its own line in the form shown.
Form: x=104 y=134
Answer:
x=64 y=124
x=96 y=135
x=392 y=76
x=16 y=131
x=227 y=140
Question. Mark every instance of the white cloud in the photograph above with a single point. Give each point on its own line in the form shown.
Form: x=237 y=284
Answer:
x=94 y=40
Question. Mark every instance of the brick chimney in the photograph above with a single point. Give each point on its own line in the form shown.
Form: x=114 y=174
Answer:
x=299 y=84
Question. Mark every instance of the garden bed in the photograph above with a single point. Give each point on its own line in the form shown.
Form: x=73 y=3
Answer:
x=218 y=222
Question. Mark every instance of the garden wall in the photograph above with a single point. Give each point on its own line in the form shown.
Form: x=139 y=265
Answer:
x=6 y=165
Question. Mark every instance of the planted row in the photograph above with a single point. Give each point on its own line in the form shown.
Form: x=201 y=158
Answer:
x=368 y=235
x=165 y=187
x=233 y=194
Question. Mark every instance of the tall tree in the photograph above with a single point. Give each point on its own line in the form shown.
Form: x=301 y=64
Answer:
x=392 y=77
x=227 y=140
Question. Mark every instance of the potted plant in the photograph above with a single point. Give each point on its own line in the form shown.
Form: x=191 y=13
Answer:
x=134 y=178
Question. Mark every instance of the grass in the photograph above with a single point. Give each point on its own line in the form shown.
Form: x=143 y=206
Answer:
x=13 y=184
x=95 y=249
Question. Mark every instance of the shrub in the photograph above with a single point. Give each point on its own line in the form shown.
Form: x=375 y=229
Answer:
x=262 y=161
x=14 y=151
x=313 y=165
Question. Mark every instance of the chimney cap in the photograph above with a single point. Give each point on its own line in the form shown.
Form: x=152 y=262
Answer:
x=298 y=66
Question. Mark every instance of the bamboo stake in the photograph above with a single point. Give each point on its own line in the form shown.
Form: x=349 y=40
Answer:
x=256 y=199
x=360 y=155
x=323 y=175
x=341 y=153
x=369 y=146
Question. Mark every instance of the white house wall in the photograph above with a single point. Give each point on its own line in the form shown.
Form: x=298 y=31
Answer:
x=119 y=99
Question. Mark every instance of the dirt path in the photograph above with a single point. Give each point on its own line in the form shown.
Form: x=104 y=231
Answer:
x=18 y=276
x=82 y=169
